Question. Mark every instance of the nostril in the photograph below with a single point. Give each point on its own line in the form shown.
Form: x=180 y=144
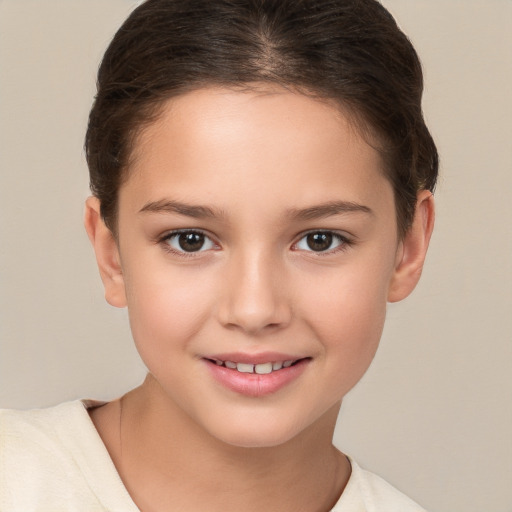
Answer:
x=252 y=300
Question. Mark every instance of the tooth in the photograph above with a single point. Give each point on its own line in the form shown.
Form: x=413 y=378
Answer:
x=218 y=363
x=230 y=364
x=277 y=366
x=245 y=368
x=287 y=364
x=263 y=368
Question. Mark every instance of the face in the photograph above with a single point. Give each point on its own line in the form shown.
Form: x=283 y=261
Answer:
x=257 y=248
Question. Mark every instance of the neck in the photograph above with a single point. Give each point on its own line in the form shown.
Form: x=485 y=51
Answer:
x=165 y=459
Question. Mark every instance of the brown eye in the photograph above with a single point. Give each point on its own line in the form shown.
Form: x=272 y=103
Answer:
x=189 y=241
x=321 y=241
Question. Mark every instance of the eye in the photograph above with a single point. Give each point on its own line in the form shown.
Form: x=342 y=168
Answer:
x=188 y=241
x=321 y=241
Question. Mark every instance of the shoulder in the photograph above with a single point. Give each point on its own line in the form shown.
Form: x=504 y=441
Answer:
x=37 y=458
x=381 y=496
x=368 y=492
x=35 y=432
x=39 y=432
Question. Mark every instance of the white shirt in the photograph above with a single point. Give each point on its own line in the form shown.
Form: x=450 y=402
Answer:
x=54 y=460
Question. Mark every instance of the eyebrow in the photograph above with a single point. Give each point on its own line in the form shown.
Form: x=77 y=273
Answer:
x=201 y=212
x=329 y=209
x=170 y=206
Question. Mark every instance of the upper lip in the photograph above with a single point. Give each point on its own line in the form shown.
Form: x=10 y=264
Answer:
x=257 y=358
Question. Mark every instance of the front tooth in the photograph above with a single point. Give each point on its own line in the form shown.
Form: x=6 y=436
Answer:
x=230 y=364
x=263 y=368
x=277 y=366
x=245 y=368
x=287 y=364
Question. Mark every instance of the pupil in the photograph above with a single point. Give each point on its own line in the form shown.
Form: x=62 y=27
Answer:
x=191 y=242
x=319 y=241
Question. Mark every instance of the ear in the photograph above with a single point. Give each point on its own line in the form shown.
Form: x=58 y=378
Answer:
x=413 y=249
x=107 y=253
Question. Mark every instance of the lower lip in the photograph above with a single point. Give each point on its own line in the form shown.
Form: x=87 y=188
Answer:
x=253 y=384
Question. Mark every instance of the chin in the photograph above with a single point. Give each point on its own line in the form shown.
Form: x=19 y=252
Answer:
x=251 y=439
x=256 y=434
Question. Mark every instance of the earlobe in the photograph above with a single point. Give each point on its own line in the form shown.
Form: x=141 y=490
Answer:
x=413 y=249
x=107 y=253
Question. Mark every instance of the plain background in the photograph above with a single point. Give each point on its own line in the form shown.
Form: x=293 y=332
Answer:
x=434 y=413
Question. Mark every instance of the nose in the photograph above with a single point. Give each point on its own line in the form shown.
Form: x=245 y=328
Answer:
x=254 y=298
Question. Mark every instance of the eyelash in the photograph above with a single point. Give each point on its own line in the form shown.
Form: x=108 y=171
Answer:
x=165 y=241
x=344 y=242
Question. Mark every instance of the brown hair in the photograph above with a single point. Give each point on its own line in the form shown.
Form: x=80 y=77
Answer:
x=350 y=51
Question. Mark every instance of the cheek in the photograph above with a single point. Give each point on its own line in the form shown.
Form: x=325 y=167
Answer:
x=346 y=295
x=166 y=310
x=349 y=321
x=347 y=314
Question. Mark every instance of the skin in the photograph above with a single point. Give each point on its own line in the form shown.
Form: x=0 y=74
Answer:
x=268 y=165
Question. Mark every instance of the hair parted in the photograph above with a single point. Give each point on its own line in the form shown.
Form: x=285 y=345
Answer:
x=349 y=51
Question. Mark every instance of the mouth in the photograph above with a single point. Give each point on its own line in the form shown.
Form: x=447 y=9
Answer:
x=257 y=368
x=256 y=375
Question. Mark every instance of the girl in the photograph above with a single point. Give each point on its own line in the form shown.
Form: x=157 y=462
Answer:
x=262 y=185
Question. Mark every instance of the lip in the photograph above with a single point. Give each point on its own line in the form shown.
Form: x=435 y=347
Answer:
x=253 y=384
x=259 y=358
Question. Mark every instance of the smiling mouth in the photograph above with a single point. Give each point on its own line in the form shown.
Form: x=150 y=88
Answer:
x=260 y=369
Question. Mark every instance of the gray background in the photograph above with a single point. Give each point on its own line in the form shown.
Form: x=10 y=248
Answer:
x=434 y=414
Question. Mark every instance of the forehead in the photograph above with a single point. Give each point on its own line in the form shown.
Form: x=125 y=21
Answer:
x=270 y=143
